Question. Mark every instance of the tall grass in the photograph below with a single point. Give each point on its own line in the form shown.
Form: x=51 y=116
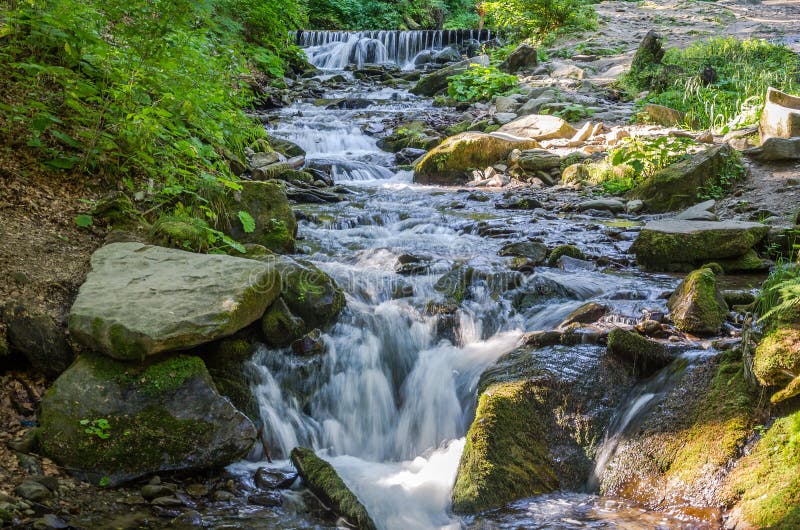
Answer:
x=744 y=70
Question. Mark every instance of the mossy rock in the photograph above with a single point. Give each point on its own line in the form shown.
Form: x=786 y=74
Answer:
x=307 y=291
x=505 y=457
x=764 y=487
x=748 y=262
x=180 y=231
x=165 y=415
x=679 y=452
x=538 y=424
x=227 y=362
x=452 y=161
x=415 y=135
x=697 y=306
x=643 y=355
x=677 y=244
x=777 y=358
x=280 y=326
x=564 y=250
x=437 y=81
x=275 y=223
x=679 y=185
x=322 y=479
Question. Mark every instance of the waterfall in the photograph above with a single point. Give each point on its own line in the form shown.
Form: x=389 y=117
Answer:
x=333 y=50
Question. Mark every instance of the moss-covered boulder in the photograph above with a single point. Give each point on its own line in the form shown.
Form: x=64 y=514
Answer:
x=764 y=487
x=677 y=453
x=452 y=162
x=678 y=185
x=320 y=477
x=679 y=245
x=140 y=300
x=414 y=134
x=228 y=363
x=564 y=250
x=777 y=357
x=697 y=305
x=111 y=421
x=540 y=418
x=643 y=355
x=436 y=81
x=307 y=291
x=275 y=223
x=280 y=326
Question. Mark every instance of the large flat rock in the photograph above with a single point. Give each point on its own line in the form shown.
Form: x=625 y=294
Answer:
x=662 y=244
x=140 y=300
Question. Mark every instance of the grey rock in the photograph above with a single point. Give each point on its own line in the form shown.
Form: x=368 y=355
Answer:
x=154 y=491
x=699 y=212
x=33 y=491
x=776 y=149
x=140 y=300
x=523 y=56
x=533 y=250
x=611 y=205
x=39 y=338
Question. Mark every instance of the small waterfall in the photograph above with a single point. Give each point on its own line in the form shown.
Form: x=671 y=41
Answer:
x=641 y=401
x=334 y=50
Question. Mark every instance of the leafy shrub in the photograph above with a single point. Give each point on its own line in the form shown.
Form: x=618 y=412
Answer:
x=538 y=18
x=639 y=158
x=480 y=83
x=731 y=93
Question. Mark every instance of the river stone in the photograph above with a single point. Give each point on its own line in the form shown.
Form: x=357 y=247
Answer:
x=280 y=326
x=535 y=160
x=452 y=162
x=275 y=223
x=508 y=103
x=611 y=205
x=39 y=338
x=163 y=416
x=677 y=185
x=140 y=300
x=663 y=245
x=320 y=477
x=776 y=149
x=539 y=127
x=534 y=251
x=32 y=491
x=523 y=56
x=697 y=306
x=644 y=356
x=777 y=357
x=537 y=424
x=781 y=115
x=703 y=211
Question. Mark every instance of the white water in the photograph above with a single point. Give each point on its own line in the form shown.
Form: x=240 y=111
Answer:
x=334 y=50
x=390 y=401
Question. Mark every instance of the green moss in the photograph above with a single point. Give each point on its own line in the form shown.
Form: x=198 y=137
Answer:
x=722 y=421
x=154 y=377
x=322 y=479
x=564 y=250
x=506 y=456
x=697 y=306
x=777 y=357
x=644 y=356
x=765 y=484
x=280 y=326
x=178 y=231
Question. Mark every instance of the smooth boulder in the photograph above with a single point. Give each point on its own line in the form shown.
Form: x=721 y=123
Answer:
x=539 y=127
x=140 y=300
x=675 y=244
x=781 y=115
x=452 y=161
x=697 y=305
x=677 y=186
x=523 y=56
x=320 y=477
x=163 y=416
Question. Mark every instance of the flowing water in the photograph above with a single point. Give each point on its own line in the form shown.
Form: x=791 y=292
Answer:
x=390 y=401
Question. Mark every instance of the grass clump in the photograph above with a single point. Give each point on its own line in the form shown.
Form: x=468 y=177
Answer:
x=720 y=83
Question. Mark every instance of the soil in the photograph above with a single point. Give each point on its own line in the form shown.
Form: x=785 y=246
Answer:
x=44 y=255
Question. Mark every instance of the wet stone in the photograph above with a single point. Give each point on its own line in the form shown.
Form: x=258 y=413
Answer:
x=268 y=479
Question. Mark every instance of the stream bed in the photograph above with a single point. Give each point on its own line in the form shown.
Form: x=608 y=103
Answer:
x=390 y=401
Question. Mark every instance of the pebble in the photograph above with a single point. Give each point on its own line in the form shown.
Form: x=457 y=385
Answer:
x=166 y=501
x=33 y=491
x=223 y=496
x=153 y=491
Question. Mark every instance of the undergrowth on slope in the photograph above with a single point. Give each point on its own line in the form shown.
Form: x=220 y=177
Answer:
x=143 y=95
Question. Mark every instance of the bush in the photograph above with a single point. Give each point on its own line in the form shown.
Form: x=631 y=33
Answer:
x=638 y=159
x=538 y=18
x=721 y=83
x=480 y=83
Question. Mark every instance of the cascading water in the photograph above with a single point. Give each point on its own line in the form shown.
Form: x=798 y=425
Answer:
x=334 y=50
x=390 y=400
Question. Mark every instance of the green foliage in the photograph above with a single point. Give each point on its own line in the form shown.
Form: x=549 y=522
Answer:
x=573 y=112
x=146 y=93
x=744 y=70
x=388 y=14
x=84 y=220
x=538 y=18
x=644 y=156
x=480 y=83
x=99 y=427
x=779 y=299
x=248 y=223
x=732 y=170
